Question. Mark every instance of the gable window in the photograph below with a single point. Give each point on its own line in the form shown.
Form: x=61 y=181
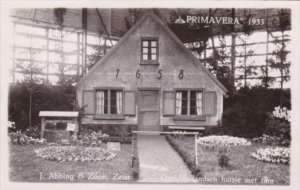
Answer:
x=149 y=49
x=109 y=102
x=189 y=102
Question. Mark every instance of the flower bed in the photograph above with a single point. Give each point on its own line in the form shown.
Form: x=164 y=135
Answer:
x=223 y=140
x=273 y=154
x=74 y=153
x=22 y=139
x=271 y=140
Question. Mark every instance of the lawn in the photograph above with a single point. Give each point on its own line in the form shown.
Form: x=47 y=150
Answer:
x=242 y=169
x=27 y=167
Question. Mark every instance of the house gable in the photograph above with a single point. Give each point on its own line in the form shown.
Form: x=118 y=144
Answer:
x=126 y=55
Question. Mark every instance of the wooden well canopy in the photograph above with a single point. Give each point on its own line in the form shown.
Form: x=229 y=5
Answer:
x=66 y=116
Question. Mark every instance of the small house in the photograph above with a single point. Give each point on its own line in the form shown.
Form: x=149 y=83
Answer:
x=149 y=79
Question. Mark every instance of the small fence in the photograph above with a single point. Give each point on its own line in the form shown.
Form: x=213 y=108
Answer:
x=135 y=133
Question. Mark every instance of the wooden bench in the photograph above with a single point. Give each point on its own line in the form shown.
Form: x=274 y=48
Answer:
x=68 y=116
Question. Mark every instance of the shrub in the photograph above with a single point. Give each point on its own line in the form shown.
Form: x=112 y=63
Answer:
x=223 y=157
x=20 y=138
x=245 y=112
x=33 y=132
x=278 y=127
x=273 y=154
x=135 y=168
x=91 y=138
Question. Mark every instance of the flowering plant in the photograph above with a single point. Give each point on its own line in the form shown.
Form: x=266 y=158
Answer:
x=271 y=140
x=273 y=154
x=91 y=139
x=74 y=153
x=22 y=139
x=223 y=140
x=282 y=113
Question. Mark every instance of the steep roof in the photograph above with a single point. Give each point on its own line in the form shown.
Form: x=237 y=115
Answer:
x=196 y=62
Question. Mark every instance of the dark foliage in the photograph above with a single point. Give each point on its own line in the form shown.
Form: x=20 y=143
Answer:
x=245 y=112
x=278 y=127
x=50 y=98
x=223 y=157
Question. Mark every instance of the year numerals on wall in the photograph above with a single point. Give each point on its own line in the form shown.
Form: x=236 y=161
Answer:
x=159 y=74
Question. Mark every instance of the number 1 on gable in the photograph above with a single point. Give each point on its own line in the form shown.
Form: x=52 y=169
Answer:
x=118 y=70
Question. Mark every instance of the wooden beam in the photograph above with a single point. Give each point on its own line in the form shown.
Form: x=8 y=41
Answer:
x=58 y=113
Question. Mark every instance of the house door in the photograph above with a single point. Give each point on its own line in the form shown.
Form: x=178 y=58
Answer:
x=148 y=117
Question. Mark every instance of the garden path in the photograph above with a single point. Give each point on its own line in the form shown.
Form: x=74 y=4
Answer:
x=159 y=163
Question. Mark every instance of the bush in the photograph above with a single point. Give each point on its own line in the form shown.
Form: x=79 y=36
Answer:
x=223 y=157
x=278 y=127
x=19 y=138
x=91 y=138
x=33 y=132
x=245 y=112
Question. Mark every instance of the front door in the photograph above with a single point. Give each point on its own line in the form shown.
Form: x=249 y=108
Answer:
x=148 y=110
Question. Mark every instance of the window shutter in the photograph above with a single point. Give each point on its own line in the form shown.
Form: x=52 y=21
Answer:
x=129 y=103
x=89 y=102
x=169 y=103
x=210 y=100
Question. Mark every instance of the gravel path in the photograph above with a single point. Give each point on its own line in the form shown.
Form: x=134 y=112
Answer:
x=159 y=163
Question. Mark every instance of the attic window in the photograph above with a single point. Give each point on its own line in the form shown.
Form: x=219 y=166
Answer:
x=149 y=51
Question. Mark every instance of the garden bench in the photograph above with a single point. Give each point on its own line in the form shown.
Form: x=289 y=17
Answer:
x=63 y=116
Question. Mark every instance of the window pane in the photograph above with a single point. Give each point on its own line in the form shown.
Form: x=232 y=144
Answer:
x=52 y=79
x=70 y=47
x=113 y=102
x=39 y=55
x=55 y=57
x=153 y=57
x=105 y=102
x=70 y=69
x=40 y=67
x=145 y=50
x=55 y=45
x=70 y=36
x=72 y=59
x=153 y=50
x=153 y=43
x=39 y=43
x=184 y=102
x=145 y=57
x=145 y=43
x=22 y=65
x=22 y=53
x=23 y=41
x=193 y=103
x=54 y=68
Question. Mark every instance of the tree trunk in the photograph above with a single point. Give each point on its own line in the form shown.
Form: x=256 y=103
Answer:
x=30 y=109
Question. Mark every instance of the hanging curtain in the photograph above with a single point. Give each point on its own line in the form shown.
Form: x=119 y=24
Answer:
x=199 y=103
x=119 y=102
x=100 y=102
x=178 y=103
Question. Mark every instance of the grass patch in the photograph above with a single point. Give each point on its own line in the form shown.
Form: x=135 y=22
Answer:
x=25 y=166
x=241 y=165
x=187 y=154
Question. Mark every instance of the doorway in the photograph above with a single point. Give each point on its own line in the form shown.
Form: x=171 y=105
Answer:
x=148 y=112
